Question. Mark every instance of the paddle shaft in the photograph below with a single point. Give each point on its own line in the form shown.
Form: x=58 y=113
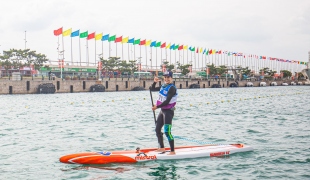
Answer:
x=153 y=105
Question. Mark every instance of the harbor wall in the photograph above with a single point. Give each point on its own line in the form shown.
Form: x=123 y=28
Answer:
x=111 y=84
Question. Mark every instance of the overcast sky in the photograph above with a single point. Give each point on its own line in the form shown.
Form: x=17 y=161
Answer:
x=272 y=28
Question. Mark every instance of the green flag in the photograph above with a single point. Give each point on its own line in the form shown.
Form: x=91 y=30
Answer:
x=193 y=49
x=137 y=41
x=84 y=34
x=158 y=44
x=176 y=47
x=112 y=38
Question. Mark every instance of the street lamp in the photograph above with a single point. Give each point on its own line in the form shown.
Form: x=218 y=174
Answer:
x=61 y=61
x=99 y=66
x=139 y=65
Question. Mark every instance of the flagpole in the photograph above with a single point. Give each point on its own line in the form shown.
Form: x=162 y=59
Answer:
x=116 y=50
x=80 y=51
x=87 y=53
x=145 y=56
x=109 y=49
x=63 y=47
x=128 y=53
x=156 y=58
x=140 y=56
x=151 y=58
x=96 y=55
x=71 y=53
x=122 y=51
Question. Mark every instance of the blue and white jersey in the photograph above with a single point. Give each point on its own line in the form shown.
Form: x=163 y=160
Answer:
x=163 y=93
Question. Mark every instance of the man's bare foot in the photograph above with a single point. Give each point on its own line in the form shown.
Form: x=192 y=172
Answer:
x=160 y=150
x=171 y=153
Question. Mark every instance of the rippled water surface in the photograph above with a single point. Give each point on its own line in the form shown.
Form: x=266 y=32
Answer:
x=37 y=129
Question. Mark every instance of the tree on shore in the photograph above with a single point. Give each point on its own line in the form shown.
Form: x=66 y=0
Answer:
x=17 y=58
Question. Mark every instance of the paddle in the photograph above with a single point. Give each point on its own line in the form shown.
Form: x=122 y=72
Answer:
x=152 y=105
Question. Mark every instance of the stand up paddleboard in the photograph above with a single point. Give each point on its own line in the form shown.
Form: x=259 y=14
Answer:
x=128 y=156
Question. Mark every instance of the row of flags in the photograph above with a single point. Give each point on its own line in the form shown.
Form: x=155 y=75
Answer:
x=159 y=44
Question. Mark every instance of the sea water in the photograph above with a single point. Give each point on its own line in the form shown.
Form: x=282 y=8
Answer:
x=37 y=129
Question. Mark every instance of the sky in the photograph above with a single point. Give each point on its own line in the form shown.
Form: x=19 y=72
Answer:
x=272 y=28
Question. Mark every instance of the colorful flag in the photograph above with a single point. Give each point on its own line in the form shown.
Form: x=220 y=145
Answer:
x=172 y=46
x=142 y=42
x=132 y=40
x=176 y=47
x=207 y=52
x=98 y=36
x=67 y=32
x=58 y=32
x=204 y=51
x=105 y=37
x=125 y=40
x=153 y=44
x=91 y=36
x=168 y=46
x=185 y=47
x=210 y=52
x=75 y=33
x=112 y=38
x=119 y=39
x=84 y=34
x=163 y=45
x=158 y=44
x=180 y=47
x=193 y=49
x=200 y=51
x=197 y=49
x=148 y=43
x=190 y=48
x=137 y=41
x=213 y=51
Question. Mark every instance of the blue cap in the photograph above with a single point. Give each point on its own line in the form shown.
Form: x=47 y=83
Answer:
x=168 y=73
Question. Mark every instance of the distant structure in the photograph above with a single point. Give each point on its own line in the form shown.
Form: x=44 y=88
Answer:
x=306 y=72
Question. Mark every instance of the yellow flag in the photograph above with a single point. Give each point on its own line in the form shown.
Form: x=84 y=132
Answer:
x=67 y=32
x=168 y=46
x=200 y=50
x=148 y=42
x=98 y=36
x=125 y=40
x=213 y=51
x=185 y=47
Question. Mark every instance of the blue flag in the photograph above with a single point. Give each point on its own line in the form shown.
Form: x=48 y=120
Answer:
x=132 y=40
x=105 y=37
x=75 y=33
x=172 y=46
x=153 y=44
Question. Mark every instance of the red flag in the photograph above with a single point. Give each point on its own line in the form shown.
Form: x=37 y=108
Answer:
x=58 y=32
x=220 y=51
x=91 y=36
x=210 y=52
x=180 y=47
x=197 y=49
x=119 y=39
x=142 y=42
x=163 y=45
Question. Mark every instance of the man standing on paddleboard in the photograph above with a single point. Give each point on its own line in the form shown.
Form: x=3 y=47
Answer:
x=166 y=101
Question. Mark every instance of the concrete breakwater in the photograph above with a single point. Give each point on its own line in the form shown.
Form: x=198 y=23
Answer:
x=114 y=84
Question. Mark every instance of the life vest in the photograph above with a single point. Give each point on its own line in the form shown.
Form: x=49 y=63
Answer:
x=163 y=93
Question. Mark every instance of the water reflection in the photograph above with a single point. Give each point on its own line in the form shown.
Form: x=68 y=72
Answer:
x=165 y=171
